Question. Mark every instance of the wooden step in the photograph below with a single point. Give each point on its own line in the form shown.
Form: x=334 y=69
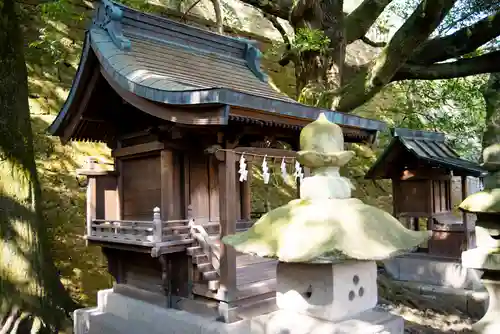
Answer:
x=176 y=237
x=172 y=243
x=198 y=250
x=194 y=250
x=213 y=285
x=200 y=258
x=205 y=267
x=210 y=275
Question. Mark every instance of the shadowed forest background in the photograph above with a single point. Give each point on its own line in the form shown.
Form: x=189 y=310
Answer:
x=54 y=32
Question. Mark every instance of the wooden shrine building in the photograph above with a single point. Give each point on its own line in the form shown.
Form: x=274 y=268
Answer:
x=178 y=106
x=421 y=165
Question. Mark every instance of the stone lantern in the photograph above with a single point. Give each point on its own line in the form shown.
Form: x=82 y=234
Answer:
x=486 y=256
x=327 y=244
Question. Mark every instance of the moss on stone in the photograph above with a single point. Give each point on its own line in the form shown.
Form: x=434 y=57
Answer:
x=487 y=201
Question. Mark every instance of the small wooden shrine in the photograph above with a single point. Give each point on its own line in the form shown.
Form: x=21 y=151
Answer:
x=179 y=107
x=421 y=165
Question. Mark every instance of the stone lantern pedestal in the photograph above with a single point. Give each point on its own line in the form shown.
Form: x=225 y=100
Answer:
x=486 y=256
x=329 y=298
x=329 y=292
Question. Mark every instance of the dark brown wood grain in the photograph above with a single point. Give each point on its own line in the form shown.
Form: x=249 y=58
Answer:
x=228 y=217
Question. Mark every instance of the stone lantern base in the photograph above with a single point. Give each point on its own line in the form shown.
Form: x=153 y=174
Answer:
x=119 y=314
x=312 y=299
x=487 y=260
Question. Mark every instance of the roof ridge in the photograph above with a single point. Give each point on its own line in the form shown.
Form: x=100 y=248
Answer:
x=418 y=134
x=111 y=15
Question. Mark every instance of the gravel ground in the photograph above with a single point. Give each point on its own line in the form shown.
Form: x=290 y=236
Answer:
x=430 y=322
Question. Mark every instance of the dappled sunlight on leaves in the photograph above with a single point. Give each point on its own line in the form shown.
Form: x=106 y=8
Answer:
x=274 y=194
x=83 y=269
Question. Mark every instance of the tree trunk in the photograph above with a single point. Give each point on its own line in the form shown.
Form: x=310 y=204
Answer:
x=491 y=95
x=318 y=71
x=32 y=298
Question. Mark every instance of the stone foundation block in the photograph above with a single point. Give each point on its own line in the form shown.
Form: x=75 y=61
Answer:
x=369 y=322
x=118 y=314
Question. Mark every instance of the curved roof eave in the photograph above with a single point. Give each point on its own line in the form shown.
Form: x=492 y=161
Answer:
x=453 y=163
x=181 y=94
x=76 y=85
x=98 y=45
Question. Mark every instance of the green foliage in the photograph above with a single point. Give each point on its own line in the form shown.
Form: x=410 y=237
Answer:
x=53 y=38
x=277 y=192
x=141 y=5
x=455 y=107
x=32 y=298
x=307 y=39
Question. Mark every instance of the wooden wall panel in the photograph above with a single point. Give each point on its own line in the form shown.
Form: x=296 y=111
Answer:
x=107 y=198
x=441 y=195
x=198 y=187
x=178 y=184
x=204 y=188
x=412 y=196
x=141 y=187
x=172 y=201
x=213 y=178
x=237 y=200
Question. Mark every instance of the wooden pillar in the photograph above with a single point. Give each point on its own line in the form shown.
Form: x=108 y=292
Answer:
x=167 y=185
x=246 y=195
x=464 y=214
x=395 y=198
x=228 y=216
x=185 y=186
x=91 y=202
x=119 y=169
x=91 y=195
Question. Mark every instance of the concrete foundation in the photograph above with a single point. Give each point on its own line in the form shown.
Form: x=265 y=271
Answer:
x=442 y=279
x=116 y=313
x=434 y=271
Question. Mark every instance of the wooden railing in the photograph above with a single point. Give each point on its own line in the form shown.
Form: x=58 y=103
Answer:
x=210 y=248
x=162 y=236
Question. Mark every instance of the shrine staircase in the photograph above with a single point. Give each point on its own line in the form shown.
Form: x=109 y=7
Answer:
x=205 y=251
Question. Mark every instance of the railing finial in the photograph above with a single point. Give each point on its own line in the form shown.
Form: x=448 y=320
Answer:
x=158 y=226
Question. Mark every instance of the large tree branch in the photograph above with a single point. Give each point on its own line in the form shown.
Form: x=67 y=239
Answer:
x=374 y=44
x=219 y=21
x=277 y=25
x=423 y=21
x=488 y=63
x=461 y=42
x=278 y=8
x=289 y=55
x=359 y=21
